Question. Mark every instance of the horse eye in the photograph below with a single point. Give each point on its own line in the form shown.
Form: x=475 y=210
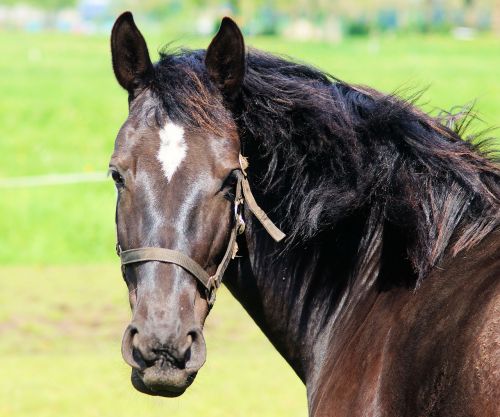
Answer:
x=229 y=186
x=117 y=178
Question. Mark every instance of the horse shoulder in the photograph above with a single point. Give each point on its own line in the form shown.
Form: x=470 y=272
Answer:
x=434 y=351
x=451 y=354
x=482 y=360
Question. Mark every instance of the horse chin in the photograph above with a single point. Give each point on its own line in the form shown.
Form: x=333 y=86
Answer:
x=160 y=381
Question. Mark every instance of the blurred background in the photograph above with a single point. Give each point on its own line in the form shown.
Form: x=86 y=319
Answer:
x=63 y=306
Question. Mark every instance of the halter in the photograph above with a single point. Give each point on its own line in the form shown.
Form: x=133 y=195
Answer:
x=210 y=283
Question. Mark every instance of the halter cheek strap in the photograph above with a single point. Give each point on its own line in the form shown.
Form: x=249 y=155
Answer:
x=211 y=284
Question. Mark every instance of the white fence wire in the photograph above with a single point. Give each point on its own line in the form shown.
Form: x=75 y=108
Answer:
x=53 y=179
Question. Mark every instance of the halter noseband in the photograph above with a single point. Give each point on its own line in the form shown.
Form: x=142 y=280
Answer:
x=210 y=283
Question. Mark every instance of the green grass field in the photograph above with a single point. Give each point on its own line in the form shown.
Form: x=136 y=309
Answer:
x=63 y=305
x=60 y=331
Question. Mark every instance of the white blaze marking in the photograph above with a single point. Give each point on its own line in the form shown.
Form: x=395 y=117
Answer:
x=172 y=148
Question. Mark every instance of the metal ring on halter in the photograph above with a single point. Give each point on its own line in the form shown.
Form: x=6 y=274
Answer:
x=211 y=291
x=238 y=216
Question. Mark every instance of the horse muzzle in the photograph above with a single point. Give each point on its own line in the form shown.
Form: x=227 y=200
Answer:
x=164 y=366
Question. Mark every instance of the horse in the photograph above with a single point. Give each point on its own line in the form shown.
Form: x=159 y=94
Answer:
x=366 y=230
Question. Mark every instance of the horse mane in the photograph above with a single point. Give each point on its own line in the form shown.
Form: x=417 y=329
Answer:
x=323 y=150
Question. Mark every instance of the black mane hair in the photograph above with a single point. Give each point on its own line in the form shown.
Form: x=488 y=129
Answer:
x=322 y=151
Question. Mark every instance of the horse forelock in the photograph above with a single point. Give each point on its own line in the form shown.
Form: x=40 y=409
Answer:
x=186 y=94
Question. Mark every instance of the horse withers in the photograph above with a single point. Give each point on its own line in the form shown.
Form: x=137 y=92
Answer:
x=383 y=296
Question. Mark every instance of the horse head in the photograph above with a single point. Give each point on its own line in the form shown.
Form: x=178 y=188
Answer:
x=176 y=184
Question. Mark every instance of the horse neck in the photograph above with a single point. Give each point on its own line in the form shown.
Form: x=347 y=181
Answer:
x=370 y=191
x=303 y=298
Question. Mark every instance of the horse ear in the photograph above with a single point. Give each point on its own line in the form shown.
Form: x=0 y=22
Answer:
x=131 y=62
x=225 y=59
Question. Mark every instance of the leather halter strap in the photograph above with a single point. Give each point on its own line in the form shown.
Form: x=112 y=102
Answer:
x=211 y=284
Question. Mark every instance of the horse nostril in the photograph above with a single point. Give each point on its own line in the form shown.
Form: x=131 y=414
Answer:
x=130 y=353
x=195 y=354
x=187 y=353
x=139 y=359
